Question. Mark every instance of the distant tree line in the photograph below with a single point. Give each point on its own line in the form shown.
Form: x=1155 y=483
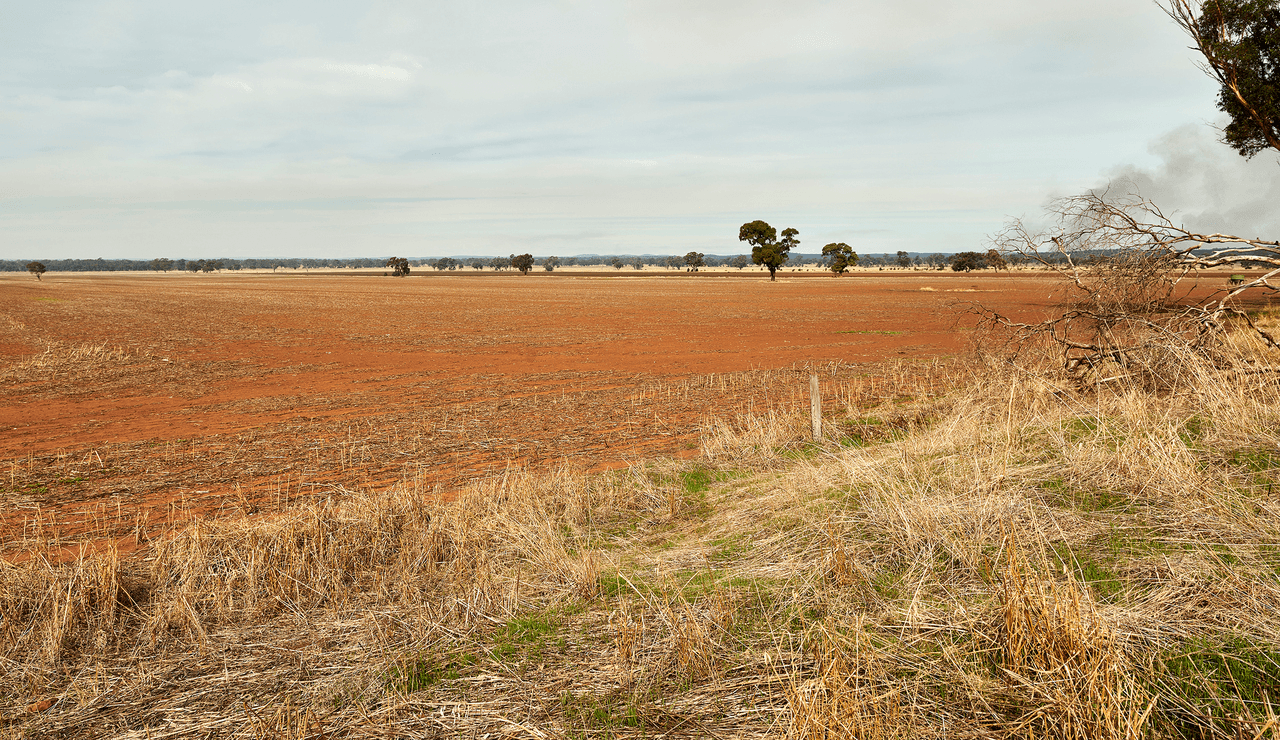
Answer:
x=164 y=264
x=832 y=258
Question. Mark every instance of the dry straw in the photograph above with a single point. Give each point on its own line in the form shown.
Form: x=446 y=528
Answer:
x=975 y=551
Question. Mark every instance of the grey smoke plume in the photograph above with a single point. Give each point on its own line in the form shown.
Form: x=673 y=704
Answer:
x=1207 y=187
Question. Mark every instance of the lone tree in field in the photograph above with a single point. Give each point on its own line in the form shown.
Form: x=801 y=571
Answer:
x=1240 y=42
x=967 y=261
x=522 y=262
x=551 y=263
x=842 y=257
x=694 y=260
x=766 y=248
x=37 y=269
x=399 y=266
x=904 y=259
x=996 y=261
x=739 y=262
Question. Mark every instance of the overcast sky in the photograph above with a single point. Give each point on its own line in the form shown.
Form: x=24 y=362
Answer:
x=340 y=129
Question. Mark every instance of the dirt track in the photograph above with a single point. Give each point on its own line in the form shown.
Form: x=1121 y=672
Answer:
x=166 y=396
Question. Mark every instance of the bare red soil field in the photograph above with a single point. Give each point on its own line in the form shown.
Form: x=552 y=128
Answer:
x=131 y=402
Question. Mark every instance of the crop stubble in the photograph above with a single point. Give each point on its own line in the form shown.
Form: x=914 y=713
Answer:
x=134 y=403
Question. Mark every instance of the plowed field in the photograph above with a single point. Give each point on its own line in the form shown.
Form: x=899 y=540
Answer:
x=131 y=402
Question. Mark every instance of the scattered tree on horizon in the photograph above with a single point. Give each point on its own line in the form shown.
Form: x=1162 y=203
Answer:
x=740 y=261
x=996 y=261
x=550 y=263
x=841 y=257
x=37 y=269
x=904 y=259
x=766 y=248
x=399 y=265
x=694 y=260
x=1240 y=42
x=162 y=264
x=522 y=262
x=968 y=261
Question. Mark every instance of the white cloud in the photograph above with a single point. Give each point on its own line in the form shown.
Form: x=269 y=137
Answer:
x=639 y=125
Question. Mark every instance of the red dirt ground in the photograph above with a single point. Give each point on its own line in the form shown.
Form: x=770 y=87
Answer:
x=235 y=393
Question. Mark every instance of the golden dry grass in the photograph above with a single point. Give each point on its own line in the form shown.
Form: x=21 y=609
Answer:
x=973 y=552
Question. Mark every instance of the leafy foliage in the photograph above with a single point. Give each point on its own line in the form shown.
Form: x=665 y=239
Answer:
x=766 y=248
x=37 y=269
x=967 y=261
x=399 y=266
x=522 y=262
x=841 y=257
x=694 y=260
x=1240 y=42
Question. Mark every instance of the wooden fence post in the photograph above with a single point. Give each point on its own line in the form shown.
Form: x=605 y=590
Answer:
x=815 y=408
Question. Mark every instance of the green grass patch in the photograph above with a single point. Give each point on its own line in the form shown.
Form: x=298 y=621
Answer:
x=588 y=715
x=1081 y=427
x=697 y=480
x=613 y=585
x=1211 y=684
x=1255 y=460
x=1106 y=584
x=1063 y=493
x=425 y=671
x=729 y=548
x=1194 y=429
x=529 y=635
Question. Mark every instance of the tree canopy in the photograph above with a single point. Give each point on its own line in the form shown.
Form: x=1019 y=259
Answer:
x=766 y=248
x=37 y=269
x=522 y=262
x=399 y=265
x=1240 y=42
x=841 y=257
x=966 y=261
x=694 y=260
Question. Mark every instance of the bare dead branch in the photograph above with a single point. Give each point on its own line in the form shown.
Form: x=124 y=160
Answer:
x=1128 y=271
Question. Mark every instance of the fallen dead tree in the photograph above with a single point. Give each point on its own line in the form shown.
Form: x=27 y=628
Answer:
x=1133 y=304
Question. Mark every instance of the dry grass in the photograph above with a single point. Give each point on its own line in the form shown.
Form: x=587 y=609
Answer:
x=69 y=361
x=1014 y=559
